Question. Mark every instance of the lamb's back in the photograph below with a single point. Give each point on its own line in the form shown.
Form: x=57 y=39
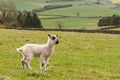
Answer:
x=33 y=49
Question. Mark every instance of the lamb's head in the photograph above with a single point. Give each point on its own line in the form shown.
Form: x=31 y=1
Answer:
x=53 y=39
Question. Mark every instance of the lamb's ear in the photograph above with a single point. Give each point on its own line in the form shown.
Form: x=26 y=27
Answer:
x=49 y=35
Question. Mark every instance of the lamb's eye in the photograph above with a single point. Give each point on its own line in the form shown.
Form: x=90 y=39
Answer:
x=53 y=38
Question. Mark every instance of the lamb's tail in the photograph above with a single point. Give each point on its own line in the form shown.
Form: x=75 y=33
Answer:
x=20 y=51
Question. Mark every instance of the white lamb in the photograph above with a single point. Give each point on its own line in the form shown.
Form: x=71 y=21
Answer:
x=42 y=51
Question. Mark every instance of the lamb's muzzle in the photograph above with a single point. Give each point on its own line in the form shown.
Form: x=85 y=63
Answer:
x=57 y=42
x=42 y=51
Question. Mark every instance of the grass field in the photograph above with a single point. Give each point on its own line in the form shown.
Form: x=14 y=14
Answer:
x=76 y=23
x=79 y=56
x=28 y=4
x=84 y=10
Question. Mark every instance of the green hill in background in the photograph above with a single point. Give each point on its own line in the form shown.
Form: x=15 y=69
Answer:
x=80 y=8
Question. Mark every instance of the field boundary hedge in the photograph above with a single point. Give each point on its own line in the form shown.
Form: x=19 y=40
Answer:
x=50 y=7
x=75 y=30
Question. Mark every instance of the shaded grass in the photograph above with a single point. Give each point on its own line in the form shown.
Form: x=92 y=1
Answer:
x=79 y=56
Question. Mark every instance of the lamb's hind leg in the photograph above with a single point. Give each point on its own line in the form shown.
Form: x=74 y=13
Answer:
x=27 y=61
x=23 y=63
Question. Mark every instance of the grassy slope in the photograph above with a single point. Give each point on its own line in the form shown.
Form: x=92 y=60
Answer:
x=94 y=10
x=85 y=10
x=27 y=4
x=79 y=56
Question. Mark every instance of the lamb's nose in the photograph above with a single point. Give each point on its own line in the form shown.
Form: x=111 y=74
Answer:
x=57 y=42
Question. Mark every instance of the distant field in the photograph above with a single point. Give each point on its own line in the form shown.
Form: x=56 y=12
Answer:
x=79 y=56
x=76 y=23
x=84 y=10
x=28 y=4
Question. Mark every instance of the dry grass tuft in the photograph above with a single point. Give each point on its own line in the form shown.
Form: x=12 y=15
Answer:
x=90 y=46
x=4 y=78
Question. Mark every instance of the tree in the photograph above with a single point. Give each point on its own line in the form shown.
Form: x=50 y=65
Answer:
x=11 y=6
x=36 y=21
x=59 y=24
x=32 y=21
x=21 y=19
x=115 y=20
x=8 y=11
x=28 y=21
x=7 y=6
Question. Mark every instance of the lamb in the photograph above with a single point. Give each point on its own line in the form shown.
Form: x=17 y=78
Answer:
x=43 y=51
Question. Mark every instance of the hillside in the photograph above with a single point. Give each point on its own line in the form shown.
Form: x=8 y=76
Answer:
x=86 y=9
x=27 y=4
x=82 y=8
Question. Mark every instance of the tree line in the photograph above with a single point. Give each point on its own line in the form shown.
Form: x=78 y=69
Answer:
x=49 y=7
x=12 y=18
x=113 y=20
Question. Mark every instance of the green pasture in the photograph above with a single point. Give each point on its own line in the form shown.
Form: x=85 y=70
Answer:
x=79 y=56
x=85 y=10
x=74 y=23
x=28 y=4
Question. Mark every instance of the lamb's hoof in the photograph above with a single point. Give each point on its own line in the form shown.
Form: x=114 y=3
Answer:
x=46 y=70
x=23 y=69
x=30 y=69
x=47 y=64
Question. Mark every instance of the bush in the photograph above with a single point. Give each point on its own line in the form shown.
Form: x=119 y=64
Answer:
x=109 y=21
x=59 y=24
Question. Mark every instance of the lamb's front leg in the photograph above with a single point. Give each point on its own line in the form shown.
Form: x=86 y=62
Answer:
x=42 y=61
x=41 y=65
x=47 y=61
x=46 y=64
